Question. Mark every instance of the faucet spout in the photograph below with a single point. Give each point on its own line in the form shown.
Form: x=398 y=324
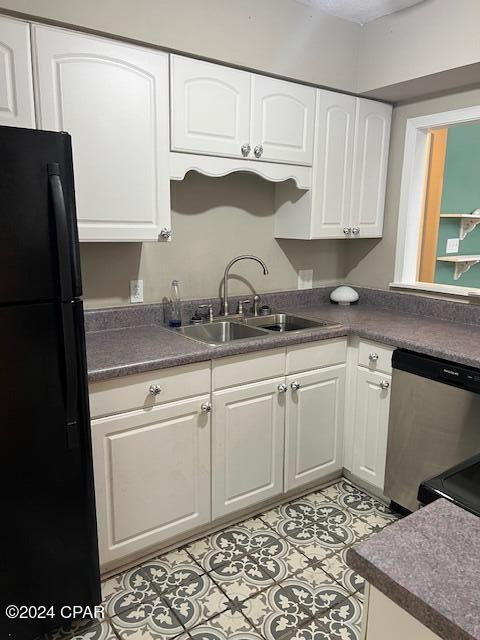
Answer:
x=227 y=272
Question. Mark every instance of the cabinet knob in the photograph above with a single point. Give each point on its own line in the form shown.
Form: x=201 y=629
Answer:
x=206 y=407
x=166 y=233
x=258 y=150
x=373 y=357
x=384 y=384
x=154 y=389
x=295 y=386
x=347 y=230
x=355 y=231
x=282 y=388
x=246 y=148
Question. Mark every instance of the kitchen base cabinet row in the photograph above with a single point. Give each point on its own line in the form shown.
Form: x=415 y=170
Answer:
x=180 y=448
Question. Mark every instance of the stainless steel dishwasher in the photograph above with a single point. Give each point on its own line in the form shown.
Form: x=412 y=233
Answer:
x=434 y=422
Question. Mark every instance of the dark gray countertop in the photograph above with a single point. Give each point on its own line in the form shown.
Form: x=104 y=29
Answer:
x=117 y=352
x=428 y=564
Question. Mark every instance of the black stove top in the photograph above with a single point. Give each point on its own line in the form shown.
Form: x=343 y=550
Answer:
x=460 y=485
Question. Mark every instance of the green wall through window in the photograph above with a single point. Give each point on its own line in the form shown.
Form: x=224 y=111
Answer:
x=461 y=194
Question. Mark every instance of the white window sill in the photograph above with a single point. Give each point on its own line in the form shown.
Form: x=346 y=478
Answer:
x=462 y=293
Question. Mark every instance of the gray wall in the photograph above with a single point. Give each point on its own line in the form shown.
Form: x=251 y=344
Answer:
x=428 y=38
x=371 y=262
x=281 y=37
x=213 y=220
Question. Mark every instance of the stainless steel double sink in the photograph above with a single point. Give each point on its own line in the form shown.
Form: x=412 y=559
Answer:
x=225 y=331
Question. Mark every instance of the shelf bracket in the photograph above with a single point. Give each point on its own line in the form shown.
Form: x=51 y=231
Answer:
x=463 y=267
x=467 y=225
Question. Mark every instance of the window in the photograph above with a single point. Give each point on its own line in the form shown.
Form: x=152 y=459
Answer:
x=438 y=245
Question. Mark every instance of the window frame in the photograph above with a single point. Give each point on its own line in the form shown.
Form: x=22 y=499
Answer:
x=412 y=200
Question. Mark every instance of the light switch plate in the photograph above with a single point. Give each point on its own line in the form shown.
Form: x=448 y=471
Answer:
x=305 y=278
x=453 y=245
x=136 y=291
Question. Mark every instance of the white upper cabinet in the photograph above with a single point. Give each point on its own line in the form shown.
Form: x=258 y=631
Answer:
x=333 y=163
x=220 y=111
x=349 y=173
x=114 y=101
x=372 y=139
x=283 y=116
x=210 y=108
x=16 y=85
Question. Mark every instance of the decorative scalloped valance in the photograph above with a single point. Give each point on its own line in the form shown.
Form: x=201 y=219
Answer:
x=214 y=166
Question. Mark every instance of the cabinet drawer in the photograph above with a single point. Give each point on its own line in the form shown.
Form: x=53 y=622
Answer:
x=133 y=392
x=244 y=368
x=315 y=355
x=374 y=356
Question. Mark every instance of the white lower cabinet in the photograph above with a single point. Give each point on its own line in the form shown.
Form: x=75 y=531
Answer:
x=280 y=420
x=314 y=425
x=152 y=476
x=370 y=434
x=247 y=445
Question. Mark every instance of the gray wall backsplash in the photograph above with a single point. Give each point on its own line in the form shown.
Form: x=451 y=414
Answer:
x=152 y=314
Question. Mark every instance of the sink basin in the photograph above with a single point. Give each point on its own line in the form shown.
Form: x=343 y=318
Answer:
x=285 y=322
x=214 y=333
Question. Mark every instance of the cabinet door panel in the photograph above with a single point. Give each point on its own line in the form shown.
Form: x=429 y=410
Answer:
x=248 y=437
x=283 y=115
x=113 y=99
x=372 y=140
x=370 y=418
x=210 y=108
x=314 y=426
x=333 y=163
x=16 y=84
x=152 y=476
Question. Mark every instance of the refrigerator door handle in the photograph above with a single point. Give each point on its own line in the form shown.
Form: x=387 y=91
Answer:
x=71 y=375
x=62 y=231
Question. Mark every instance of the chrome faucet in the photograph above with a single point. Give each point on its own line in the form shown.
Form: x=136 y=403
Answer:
x=226 y=274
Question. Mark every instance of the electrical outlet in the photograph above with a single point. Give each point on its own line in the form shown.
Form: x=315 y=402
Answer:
x=453 y=245
x=136 y=291
x=305 y=278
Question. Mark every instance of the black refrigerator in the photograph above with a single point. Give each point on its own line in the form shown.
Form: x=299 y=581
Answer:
x=48 y=540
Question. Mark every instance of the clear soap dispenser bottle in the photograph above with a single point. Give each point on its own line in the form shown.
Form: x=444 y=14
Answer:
x=175 y=305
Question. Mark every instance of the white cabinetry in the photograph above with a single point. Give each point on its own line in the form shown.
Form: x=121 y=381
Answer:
x=370 y=413
x=151 y=466
x=349 y=173
x=314 y=425
x=283 y=115
x=372 y=138
x=16 y=85
x=113 y=100
x=210 y=108
x=248 y=444
x=219 y=111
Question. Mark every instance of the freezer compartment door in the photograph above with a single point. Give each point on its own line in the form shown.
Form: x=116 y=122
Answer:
x=38 y=229
x=432 y=426
x=48 y=535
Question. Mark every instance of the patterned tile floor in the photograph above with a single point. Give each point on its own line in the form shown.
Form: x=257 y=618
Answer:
x=278 y=576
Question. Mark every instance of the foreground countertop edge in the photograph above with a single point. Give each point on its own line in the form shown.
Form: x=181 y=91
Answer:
x=405 y=599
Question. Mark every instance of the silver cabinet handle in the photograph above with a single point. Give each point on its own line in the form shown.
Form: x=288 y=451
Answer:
x=295 y=386
x=206 y=407
x=347 y=230
x=355 y=231
x=258 y=150
x=246 y=148
x=384 y=384
x=282 y=388
x=373 y=357
x=166 y=233
x=154 y=389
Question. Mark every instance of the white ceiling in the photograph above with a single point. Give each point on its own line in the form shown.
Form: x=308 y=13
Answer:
x=360 y=11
